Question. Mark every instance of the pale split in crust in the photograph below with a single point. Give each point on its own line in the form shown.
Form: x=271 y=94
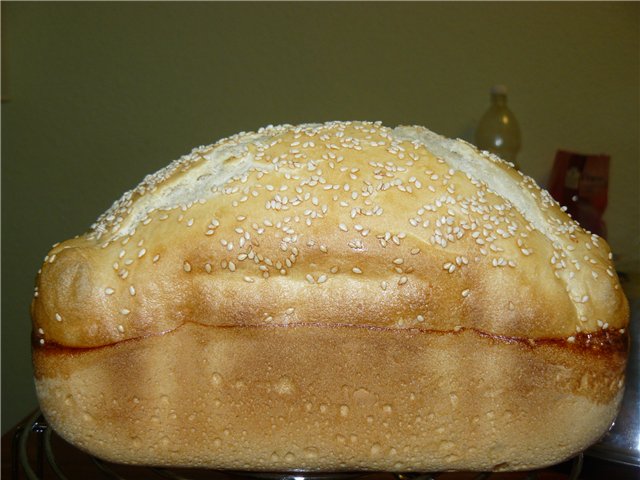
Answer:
x=342 y=257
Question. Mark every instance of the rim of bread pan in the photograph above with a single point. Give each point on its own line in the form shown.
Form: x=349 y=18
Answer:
x=33 y=468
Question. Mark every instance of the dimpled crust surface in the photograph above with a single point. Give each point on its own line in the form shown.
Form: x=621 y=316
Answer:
x=339 y=296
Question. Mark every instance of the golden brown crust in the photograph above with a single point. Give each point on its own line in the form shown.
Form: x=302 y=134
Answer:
x=269 y=398
x=333 y=238
x=395 y=235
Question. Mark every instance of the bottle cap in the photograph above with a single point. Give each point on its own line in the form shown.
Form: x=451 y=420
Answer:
x=499 y=90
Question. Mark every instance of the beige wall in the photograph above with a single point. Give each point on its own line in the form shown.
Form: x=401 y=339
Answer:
x=103 y=93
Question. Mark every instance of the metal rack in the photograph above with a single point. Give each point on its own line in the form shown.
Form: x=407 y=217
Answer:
x=36 y=432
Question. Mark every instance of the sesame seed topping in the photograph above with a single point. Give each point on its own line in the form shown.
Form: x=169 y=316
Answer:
x=132 y=290
x=306 y=192
x=58 y=317
x=120 y=328
x=125 y=311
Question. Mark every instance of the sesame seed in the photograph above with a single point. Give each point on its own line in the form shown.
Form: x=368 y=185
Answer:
x=465 y=293
x=58 y=317
x=42 y=341
x=322 y=278
x=142 y=252
x=120 y=328
x=125 y=311
x=207 y=267
x=186 y=266
x=398 y=261
x=571 y=339
x=403 y=280
x=232 y=266
x=343 y=227
x=420 y=318
x=132 y=290
x=109 y=291
x=310 y=278
x=156 y=258
x=384 y=285
x=356 y=270
x=248 y=279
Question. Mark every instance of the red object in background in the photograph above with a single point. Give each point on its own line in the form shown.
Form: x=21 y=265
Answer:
x=581 y=183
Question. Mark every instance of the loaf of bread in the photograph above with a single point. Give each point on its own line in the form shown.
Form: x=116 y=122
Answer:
x=332 y=297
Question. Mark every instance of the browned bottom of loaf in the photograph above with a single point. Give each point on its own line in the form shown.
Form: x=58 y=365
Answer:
x=331 y=399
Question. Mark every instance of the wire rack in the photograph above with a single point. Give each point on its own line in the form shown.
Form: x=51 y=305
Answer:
x=33 y=458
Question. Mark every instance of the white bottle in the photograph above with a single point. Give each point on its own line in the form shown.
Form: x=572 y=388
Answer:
x=498 y=130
